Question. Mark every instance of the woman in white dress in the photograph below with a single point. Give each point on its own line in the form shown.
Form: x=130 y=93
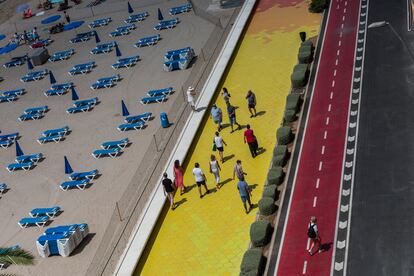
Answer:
x=215 y=170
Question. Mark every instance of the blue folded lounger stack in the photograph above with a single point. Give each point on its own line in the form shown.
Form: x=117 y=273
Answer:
x=181 y=9
x=178 y=59
x=61 y=240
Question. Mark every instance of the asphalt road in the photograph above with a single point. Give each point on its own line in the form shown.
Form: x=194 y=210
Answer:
x=382 y=225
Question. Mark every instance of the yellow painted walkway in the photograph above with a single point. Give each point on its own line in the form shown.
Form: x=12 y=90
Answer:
x=209 y=236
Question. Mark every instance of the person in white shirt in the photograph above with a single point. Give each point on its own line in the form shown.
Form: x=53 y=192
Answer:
x=215 y=170
x=190 y=97
x=220 y=145
x=200 y=179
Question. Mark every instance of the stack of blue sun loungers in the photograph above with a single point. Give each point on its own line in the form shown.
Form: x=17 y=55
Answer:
x=16 y=61
x=55 y=135
x=111 y=148
x=25 y=162
x=59 y=89
x=100 y=22
x=181 y=9
x=61 y=240
x=106 y=82
x=8 y=139
x=45 y=42
x=123 y=30
x=136 y=17
x=79 y=180
x=64 y=55
x=82 y=105
x=3 y=188
x=126 y=62
x=83 y=68
x=35 y=75
x=34 y=113
x=103 y=48
x=178 y=59
x=166 y=24
x=148 y=41
x=82 y=37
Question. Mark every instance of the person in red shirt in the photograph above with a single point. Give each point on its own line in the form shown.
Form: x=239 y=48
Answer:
x=250 y=139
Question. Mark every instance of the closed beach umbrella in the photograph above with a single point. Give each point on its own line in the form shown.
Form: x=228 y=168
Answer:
x=52 y=78
x=117 y=51
x=130 y=10
x=75 y=96
x=97 y=39
x=68 y=168
x=29 y=64
x=160 y=17
x=125 y=111
x=19 y=151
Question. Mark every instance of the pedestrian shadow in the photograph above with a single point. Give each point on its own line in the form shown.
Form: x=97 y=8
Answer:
x=228 y=157
x=260 y=113
x=223 y=126
x=179 y=203
x=224 y=182
x=253 y=186
x=260 y=151
x=326 y=246
x=189 y=188
x=201 y=108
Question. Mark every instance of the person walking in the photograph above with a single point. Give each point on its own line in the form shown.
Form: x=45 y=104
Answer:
x=245 y=194
x=219 y=142
x=35 y=35
x=226 y=95
x=313 y=234
x=217 y=116
x=250 y=139
x=200 y=179
x=238 y=170
x=231 y=111
x=178 y=172
x=168 y=190
x=215 y=169
x=190 y=97
x=251 y=103
x=67 y=17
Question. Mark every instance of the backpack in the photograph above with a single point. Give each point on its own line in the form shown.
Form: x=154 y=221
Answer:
x=311 y=231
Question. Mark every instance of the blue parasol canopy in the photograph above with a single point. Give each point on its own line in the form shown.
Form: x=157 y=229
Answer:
x=125 y=111
x=130 y=10
x=2 y=36
x=73 y=25
x=29 y=64
x=97 y=39
x=160 y=17
x=8 y=48
x=52 y=78
x=19 y=151
x=22 y=7
x=68 y=168
x=75 y=96
x=117 y=51
x=50 y=19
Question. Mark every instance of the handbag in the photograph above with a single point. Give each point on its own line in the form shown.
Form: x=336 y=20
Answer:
x=214 y=146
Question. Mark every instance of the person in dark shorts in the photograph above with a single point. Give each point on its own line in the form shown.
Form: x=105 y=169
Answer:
x=251 y=140
x=251 y=103
x=168 y=190
x=231 y=111
x=220 y=145
x=200 y=179
x=245 y=194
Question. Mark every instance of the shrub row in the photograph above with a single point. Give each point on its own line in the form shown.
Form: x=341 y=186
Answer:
x=300 y=75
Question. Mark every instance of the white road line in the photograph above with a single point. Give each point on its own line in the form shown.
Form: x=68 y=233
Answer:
x=331 y=96
x=346 y=3
x=320 y=165
x=305 y=264
x=337 y=7
x=323 y=150
x=339 y=43
x=333 y=83
x=336 y=62
x=317 y=183
x=329 y=107
x=325 y=134
x=314 y=201
x=334 y=72
x=340 y=34
x=337 y=52
x=344 y=10
x=343 y=18
x=342 y=25
x=308 y=244
x=327 y=121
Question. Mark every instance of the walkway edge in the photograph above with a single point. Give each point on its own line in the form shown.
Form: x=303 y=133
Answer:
x=142 y=230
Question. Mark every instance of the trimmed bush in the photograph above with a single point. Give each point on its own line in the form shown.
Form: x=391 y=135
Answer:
x=261 y=232
x=253 y=262
x=293 y=102
x=307 y=43
x=305 y=56
x=275 y=175
x=280 y=155
x=270 y=191
x=317 y=6
x=284 y=135
x=266 y=207
x=289 y=116
x=299 y=77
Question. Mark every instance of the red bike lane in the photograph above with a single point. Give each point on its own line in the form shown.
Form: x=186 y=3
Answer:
x=319 y=173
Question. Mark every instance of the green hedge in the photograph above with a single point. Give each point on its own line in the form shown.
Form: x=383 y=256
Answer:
x=280 y=155
x=266 y=206
x=253 y=262
x=289 y=116
x=260 y=233
x=305 y=56
x=270 y=191
x=300 y=75
x=293 y=102
x=317 y=6
x=275 y=175
x=284 y=135
x=307 y=43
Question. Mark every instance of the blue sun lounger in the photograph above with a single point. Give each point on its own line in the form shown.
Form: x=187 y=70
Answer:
x=3 y=187
x=39 y=109
x=63 y=130
x=65 y=86
x=159 y=92
x=55 y=92
x=31 y=116
x=52 y=138
x=123 y=30
x=5 y=143
x=148 y=41
x=20 y=166
x=129 y=126
x=84 y=175
x=10 y=98
x=34 y=76
x=92 y=101
x=82 y=108
x=144 y=117
x=82 y=37
x=83 y=68
x=166 y=24
x=29 y=158
x=38 y=221
x=16 y=92
x=157 y=99
x=10 y=137
x=103 y=48
x=112 y=152
x=181 y=9
x=14 y=63
x=64 y=55
x=100 y=22
x=136 y=17
x=106 y=82
x=126 y=62
x=80 y=184
x=121 y=144
x=41 y=212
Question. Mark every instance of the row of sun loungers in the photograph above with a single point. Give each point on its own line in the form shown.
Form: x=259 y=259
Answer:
x=166 y=24
x=82 y=105
x=59 y=89
x=35 y=75
x=8 y=98
x=106 y=82
x=25 y=162
x=123 y=30
x=111 y=148
x=53 y=135
x=100 y=22
x=16 y=61
x=83 y=68
x=39 y=217
x=126 y=62
x=8 y=139
x=82 y=37
x=148 y=41
x=136 y=17
x=181 y=9
x=64 y=55
x=61 y=240
x=34 y=113
x=3 y=188
x=103 y=48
